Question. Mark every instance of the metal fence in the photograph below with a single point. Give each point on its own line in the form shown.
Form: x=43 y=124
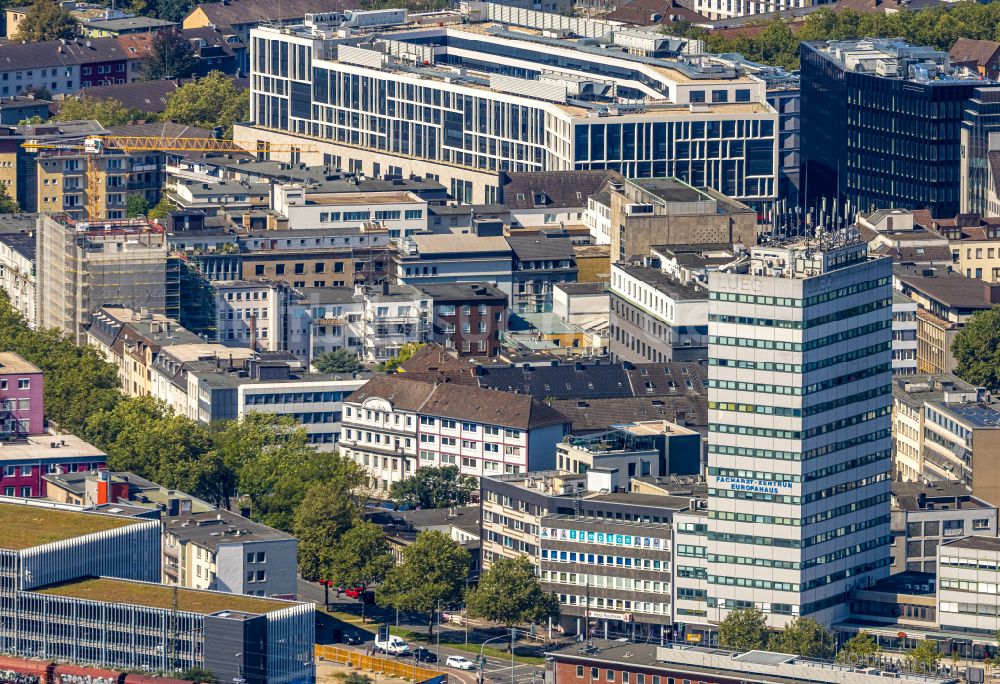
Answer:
x=403 y=669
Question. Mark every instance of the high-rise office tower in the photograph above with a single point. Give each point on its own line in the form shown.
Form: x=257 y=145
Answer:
x=800 y=350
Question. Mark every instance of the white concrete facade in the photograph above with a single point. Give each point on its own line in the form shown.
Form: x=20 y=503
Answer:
x=799 y=431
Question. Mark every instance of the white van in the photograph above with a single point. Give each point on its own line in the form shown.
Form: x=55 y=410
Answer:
x=394 y=645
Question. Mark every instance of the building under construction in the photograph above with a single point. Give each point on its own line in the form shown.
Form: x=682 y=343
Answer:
x=83 y=266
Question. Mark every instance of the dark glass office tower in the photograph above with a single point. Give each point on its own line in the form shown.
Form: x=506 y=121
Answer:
x=980 y=119
x=881 y=123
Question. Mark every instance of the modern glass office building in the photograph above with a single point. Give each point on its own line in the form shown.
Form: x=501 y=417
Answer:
x=881 y=124
x=464 y=101
x=980 y=119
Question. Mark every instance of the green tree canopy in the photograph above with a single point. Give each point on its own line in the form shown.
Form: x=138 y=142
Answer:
x=744 y=630
x=509 y=593
x=162 y=208
x=45 y=20
x=433 y=572
x=432 y=487
x=361 y=558
x=136 y=206
x=209 y=102
x=107 y=112
x=8 y=205
x=858 y=648
x=338 y=361
x=170 y=56
x=805 y=637
x=405 y=353
x=977 y=350
x=925 y=657
x=323 y=516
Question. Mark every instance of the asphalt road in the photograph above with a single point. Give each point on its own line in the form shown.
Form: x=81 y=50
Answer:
x=496 y=669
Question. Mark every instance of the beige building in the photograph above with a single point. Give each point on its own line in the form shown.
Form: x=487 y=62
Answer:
x=63 y=183
x=131 y=340
x=657 y=211
x=909 y=395
x=944 y=303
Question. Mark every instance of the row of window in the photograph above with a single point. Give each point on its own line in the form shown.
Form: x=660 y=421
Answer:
x=799 y=434
x=803 y=455
x=272 y=398
x=853 y=355
x=22 y=383
x=834 y=338
x=766 y=409
x=782 y=542
x=603 y=581
x=799 y=391
x=603 y=560
x=801 y=325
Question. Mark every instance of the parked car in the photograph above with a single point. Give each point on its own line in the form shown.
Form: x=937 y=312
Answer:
x=352 y=638
x=425 y=656
x=460 y=662
x=354 y=592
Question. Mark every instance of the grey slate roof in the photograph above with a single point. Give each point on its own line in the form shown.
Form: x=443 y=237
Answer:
x=54 y=53
x=148 y=96
x=549 y=189
x=532 y=248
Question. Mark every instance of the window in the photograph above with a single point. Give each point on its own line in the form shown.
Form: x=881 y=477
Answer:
x=26 y=492
x=610 y=676
x=24 y=383
x=697 y=96
x=579 y=671
x=981 y=524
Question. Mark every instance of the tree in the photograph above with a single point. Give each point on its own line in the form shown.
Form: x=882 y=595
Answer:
x=338 y=361
x=744 y=630
x=925 y=657
x=45 y=20
x=804 y=637
x=8 y=205
x=40 y=92
x=108 y=112
x=977 y=350
x=404 y=354
x=361 y=558
x=510 y=593
x=197 y=674
x=320 y=520
x=170 y=56
x=162 y=209
x=858 y=649
x=209 y=102
x=432 y=487
x=136 y=206
x=432 y=572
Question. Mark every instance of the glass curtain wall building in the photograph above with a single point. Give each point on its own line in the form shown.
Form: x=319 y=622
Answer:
x=881 y=123
x=463 y=102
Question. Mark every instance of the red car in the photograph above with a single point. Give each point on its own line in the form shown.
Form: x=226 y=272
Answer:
x=354 y=592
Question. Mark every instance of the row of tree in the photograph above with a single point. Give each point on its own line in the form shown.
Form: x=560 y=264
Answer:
x=778 y=42
x=747 y=630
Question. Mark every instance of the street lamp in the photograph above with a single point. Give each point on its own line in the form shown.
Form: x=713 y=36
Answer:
x=238 y=679
x=482 y=658
x=437 y=607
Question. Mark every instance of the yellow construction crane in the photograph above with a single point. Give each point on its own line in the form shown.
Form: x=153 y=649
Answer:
x=95 y=145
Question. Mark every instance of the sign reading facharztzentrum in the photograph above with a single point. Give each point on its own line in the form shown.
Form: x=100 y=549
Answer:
x=741 y=484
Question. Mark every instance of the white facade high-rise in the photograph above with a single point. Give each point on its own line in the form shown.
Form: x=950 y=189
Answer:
x=800 y=394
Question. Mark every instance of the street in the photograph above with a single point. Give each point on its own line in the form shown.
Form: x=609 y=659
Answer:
x=496 y=669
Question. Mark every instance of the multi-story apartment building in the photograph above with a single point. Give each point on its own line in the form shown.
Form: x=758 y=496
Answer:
x=222 y=551
x=962 y=442
x=655 y=318
x=538 y=264
x=84 y=265
x=395 y=315
x=400 y=213
x=925 y=516
x=799 y=441
x=904 y=334
x=393 y=426
x=62 y=183
x=898 y=150
x=131 y=340
x=21 y=385
x=448 y=258
x=63 y=66
x=252 y=313
x=966 y=579
x=468 y=317
x=649 y=448
x=944 y=304
x=17 y=272
x=90 y=566
x=974 y=241
x=489 y=99
x=910 y=394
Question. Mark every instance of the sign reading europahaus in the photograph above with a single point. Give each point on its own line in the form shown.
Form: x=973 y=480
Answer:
x=742 y=484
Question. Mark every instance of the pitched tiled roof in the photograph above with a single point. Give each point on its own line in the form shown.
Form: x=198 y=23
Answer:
x=165 y=130
x=60 y=53
x=148 y=96
x=136 y=45
x=233 y=12
x=550 y=189
x=651 y=12
x=460 y=402
x=978 y=52
x=589 y=415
